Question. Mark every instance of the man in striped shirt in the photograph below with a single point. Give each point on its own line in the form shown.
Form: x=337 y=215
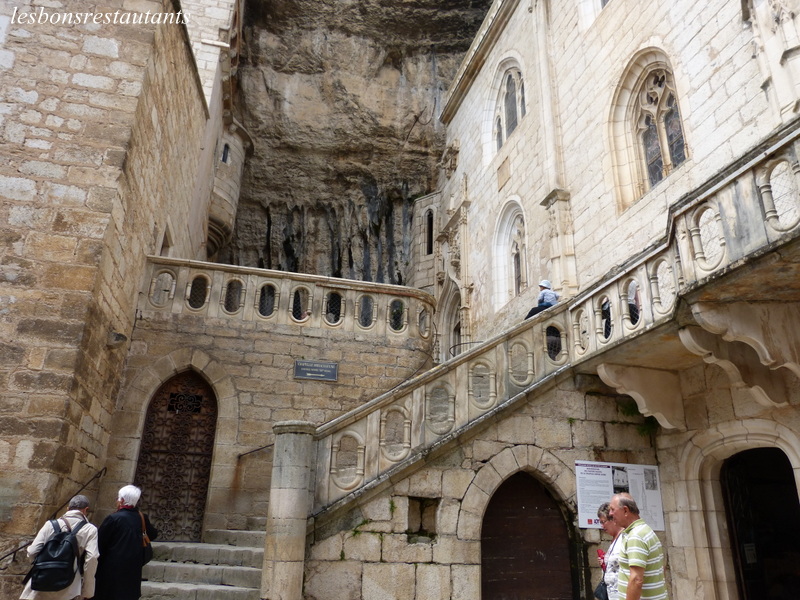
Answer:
x=641 y=558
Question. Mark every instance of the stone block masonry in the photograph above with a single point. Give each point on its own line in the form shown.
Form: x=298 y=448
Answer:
x=92 y=117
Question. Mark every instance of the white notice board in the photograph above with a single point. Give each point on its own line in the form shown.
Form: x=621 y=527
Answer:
x=598 y=481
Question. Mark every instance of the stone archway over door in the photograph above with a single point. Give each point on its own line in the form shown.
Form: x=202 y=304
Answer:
x=764 y=519
x=175 y=457
x=525 y=552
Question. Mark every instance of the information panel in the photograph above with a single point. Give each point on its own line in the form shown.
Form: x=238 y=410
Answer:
x=316 y=369
x=597 y=482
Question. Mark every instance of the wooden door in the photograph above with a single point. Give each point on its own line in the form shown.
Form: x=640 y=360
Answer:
x=525 y=552
x=175 y=457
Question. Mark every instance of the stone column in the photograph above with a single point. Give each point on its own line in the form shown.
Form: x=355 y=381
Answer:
x=289 y=504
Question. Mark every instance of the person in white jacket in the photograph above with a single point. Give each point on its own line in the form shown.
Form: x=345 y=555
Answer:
x=81 y=587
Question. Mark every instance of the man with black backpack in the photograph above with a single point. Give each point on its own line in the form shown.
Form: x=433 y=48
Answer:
x=65 y=557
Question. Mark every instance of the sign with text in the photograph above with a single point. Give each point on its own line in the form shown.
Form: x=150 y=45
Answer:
x=316 y=369
x=597 y=482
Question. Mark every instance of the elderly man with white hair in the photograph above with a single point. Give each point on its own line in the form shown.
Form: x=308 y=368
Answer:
x=119 y=574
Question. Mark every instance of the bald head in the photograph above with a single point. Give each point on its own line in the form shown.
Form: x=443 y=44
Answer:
x=623 y=509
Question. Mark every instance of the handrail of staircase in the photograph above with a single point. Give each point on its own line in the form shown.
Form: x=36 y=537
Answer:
x=13 y=552
x=239 y=456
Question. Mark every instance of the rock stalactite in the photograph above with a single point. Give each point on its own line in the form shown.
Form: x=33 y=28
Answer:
x=341 y=99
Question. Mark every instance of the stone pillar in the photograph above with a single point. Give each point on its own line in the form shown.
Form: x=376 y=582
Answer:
x=289 y=505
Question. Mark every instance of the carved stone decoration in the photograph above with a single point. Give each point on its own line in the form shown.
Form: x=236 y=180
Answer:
x=347 y=461
x=657 y=393
x=162 y=288
x=395 y=433
x=449 y=160
x=440 y=408
x=769 y=329
x=735 y=359
x=778 y=184
x=482 y=385
x=580 y=330
x=520 y=363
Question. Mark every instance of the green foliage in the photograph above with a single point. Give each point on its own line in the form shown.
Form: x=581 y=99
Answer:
x=650 y=424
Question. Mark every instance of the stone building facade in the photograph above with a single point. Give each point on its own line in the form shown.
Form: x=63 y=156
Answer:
x=640 y=156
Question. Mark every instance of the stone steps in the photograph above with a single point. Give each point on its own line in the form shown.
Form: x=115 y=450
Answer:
x=225 y=567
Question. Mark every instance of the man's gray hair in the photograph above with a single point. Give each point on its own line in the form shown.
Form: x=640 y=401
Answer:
x=78 y=502
x=130 y=495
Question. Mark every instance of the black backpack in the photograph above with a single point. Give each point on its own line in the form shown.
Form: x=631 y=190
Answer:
x=54 y=567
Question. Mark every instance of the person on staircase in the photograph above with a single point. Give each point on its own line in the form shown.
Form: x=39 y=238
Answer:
x=547 y=298
x=119 y=573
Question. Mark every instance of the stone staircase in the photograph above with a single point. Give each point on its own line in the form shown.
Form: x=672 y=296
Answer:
x=227 y=566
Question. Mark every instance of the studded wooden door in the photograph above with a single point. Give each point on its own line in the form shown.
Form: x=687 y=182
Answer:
x=175 y=457
x=525 y=551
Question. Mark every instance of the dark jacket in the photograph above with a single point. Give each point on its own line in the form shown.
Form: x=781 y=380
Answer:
x=119 y=572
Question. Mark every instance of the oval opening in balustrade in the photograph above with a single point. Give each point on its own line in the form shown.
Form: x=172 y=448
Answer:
x=397 y=311
x=480 y=386
x=233 y=296
x=334 y=308
x=520 y=363
x=366 y=308
x=266 y=300
x=606 y=325
x=580 y=328
x=424 y=323
x=711 y=238
x=395 y=434
x=553 y=341
x=783 y=183
x=634 y=301
x=347 y=461
x=300 y=308
x=665 y=283
x=198 y=292
x=162 y=288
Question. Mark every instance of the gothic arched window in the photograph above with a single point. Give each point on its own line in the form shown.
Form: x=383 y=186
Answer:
x=659 y=125
x=647 y=130
x=510 y=262
x=510 y=105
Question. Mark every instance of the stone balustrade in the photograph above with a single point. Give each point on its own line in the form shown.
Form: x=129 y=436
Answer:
x=259 y=295
x=750 y=211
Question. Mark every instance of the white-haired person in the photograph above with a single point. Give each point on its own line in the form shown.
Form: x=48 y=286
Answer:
x=119 y=572
x=83 y=584
x=547 y=298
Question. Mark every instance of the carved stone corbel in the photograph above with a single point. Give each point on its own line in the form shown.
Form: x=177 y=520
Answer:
x=740 y=363
x=771 y=329
x=657 y=393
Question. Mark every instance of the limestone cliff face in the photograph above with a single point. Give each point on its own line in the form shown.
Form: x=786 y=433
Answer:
x=340 y=97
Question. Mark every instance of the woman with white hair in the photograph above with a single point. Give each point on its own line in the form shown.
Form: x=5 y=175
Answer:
x=119 y=572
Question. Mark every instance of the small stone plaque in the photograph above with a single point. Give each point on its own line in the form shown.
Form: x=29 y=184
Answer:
x=316 y=369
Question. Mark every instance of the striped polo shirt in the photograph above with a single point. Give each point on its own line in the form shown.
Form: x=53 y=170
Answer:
x=642 y=548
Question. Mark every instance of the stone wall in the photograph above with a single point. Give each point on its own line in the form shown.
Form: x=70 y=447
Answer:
x=249 y=361
x=103 y=128
x=365 y=550
x=723 y=109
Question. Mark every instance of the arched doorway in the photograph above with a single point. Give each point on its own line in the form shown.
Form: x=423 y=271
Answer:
x=764 y=520
x=175 y=457
x=525 y=552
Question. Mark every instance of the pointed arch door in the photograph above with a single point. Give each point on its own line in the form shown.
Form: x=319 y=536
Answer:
x=175 y=457
x=525 y=551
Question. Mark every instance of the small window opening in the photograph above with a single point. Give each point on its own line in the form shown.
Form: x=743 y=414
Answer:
x=605 y=317
x=266 y=301
x=300 y=308
x=511 y=105
x=226 y=151
x=429 y=233
x=233 y=296
x=553 y=336
x=365 y=305
x=397 y=315
x=422 y=520
x=198 y=292
x=333 y=309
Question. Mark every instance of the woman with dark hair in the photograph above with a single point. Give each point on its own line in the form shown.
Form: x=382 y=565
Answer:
x=609 y=562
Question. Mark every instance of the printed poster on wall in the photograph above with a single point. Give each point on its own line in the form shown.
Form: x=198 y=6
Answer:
x=598 y=481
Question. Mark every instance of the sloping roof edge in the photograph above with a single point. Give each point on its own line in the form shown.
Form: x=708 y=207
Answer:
x=493 y=25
